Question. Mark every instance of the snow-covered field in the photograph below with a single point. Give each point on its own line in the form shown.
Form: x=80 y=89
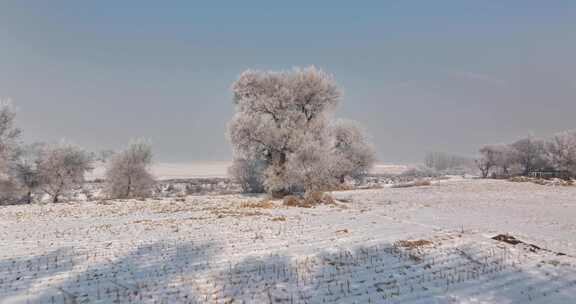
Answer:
x=429 y=244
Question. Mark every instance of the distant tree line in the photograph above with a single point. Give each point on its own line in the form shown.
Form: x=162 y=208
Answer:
x=530 y=154
x=56 y=170
x=448 y=163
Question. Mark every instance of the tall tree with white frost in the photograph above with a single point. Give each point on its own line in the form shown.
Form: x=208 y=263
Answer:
x=128 y=172
x=61 y=168
x=275 y=113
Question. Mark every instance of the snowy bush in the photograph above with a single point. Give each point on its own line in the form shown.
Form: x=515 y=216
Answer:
x=61 y=168
x=354 y=153
x=128 y=172
x=25 y=170
x=249 y=174
x=420 y=171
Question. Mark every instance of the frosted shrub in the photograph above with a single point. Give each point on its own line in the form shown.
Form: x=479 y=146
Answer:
x=61 y=168
x=128 y=172
x=25 y=170
x=249 y=173
x=9 y=136
x=354 y=154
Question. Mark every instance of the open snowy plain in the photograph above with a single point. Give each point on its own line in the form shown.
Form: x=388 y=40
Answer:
x=429 y=244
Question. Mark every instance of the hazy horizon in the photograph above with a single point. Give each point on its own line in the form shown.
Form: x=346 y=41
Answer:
x=436 y=76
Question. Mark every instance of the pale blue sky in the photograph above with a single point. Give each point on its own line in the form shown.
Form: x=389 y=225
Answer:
x=420 y=75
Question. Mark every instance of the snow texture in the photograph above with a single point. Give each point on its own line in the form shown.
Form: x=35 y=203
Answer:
x=428 y=244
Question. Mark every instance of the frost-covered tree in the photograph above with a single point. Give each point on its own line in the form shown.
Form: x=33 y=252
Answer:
x=484 y=165
x=276 y=112
x=561 y=150
x=249 y=173
x=128 y=172
x=25 y=169
x=9 y=136
x=506 y=157
x=499 y=155
x=353 y=151
x=530 y=154
x=9 y=141
x=61 y=168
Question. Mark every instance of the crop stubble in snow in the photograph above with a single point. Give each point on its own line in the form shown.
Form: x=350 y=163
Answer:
x=384 y=246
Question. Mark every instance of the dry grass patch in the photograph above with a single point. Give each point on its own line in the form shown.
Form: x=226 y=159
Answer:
x=266 y=204
x=294 y=201
x=319 y=198
x=412 y=244
x=542 y=181
x=519 y=179
x=310 y=200
x=416 y=183
x=279 y=219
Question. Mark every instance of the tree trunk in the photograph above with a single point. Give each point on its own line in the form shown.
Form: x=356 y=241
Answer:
x=485 y=172
x=279 y=165
x=129 y=187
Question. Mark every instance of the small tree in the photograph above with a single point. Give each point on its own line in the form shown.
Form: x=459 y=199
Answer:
x=488 y=159
x=503 y=156
x=9 y=137
x=249 y=173
x=9 y=133
x=128 y=172
x=61 y=168
x=530 y=153
x=354 y=154
x=561 y=150
x=25 y=169
x=506 y=157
